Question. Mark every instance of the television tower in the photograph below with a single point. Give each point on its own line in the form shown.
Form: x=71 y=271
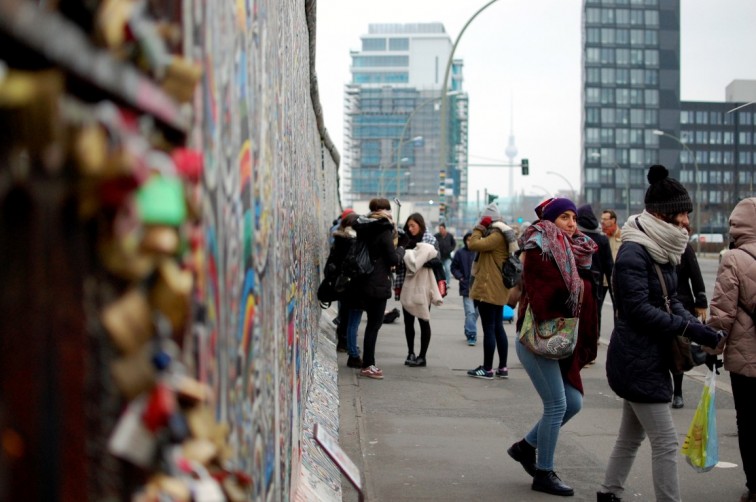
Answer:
x=511 y=151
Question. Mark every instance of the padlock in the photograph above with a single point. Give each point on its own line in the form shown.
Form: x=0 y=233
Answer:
x=161 y=201
x=123 y=256
x=128 y=321
x=171 y=294
x=161 y=404
x=160 y=239
x=89 y=149
x=134 y=374
x=181 y=78
x=204 y=487
x=110 y=23
x=130 y=439
x=233 y=488
x=202 y=422
x=189 y=391
x=162 y=487
x=201 y=451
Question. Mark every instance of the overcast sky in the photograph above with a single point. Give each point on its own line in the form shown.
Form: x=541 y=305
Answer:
x=522 y=66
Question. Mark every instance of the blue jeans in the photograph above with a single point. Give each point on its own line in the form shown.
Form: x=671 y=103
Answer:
x=471 y=318
x=447 y=270
x=561 y=402
x=353 y=326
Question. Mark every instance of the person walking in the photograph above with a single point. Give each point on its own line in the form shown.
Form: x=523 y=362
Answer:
x=415 y=232
x=446 y=246
x=732 y=311
x=614 y=234
x=349 y=311
x=603 y=261
x=649 y=316
x=494 y=241
x=378 y=230
x=461 y=269
x=691 y=292
x=556 y=283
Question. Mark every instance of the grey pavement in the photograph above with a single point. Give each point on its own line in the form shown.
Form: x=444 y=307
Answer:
x=435 y=433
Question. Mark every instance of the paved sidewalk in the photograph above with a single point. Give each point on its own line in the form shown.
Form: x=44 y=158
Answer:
x=436 y=434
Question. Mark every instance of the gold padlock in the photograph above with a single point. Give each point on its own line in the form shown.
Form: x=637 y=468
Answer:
x=160 y=239
x=128 y=321
x=181 y=78
x=89 y=149
x=171 y=293
x=199 y=450
x=135 y=373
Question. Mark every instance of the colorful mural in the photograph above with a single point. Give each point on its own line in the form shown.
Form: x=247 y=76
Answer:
x=268 y=197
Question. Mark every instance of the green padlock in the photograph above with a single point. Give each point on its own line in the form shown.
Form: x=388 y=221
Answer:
x=161 y=201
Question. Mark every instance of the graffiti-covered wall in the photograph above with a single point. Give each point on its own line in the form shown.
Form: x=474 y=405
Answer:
x=269 y=194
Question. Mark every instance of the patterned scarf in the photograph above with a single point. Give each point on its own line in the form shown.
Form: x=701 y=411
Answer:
x=568 y=253
x=664 y=241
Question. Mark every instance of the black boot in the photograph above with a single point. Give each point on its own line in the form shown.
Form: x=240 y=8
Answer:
x=549 y=482
x=525 y=454
x=607 y=497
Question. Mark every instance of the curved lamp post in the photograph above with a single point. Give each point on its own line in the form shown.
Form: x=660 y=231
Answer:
x=659 y=132
x=572 y=189
x=445 y=86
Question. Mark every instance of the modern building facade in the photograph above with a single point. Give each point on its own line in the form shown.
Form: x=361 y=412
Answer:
x=393 y=107
x=633 y=116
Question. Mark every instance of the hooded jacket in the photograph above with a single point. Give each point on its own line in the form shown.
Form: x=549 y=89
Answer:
x=420 y=289
x=378 y=232
x=493 y=245
x=461 y=266
x=735 y=292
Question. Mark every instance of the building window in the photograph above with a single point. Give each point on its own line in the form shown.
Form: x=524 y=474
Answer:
x=636 y=137
x=728 y=158
x=686 y=117
x=622 y=137
x=702 y=117
x=702 y=137
x=636 y=37
x=622 y=56
x=636 y=17
x=623 y=97
x=593 y=115
x=623 y=76
x=607 y=76
x=652 y=77
x=651 y=116
x=607 y=56
x=744 y=118
x=592 y=95
x=715 y=137
x=744 y=158
x=607 y=116
x=652 y=57
x=593 y=75
x=622 y=16
x=727 y=176
x=592 y=176
x=373 y=44
x=398 y=44
x=715 y=118
x=607 y=136
x=607 y=16
x=607 y=177
x=652 y=38
x=636 y=57
x=379 y=61
x=592 y=135
x=636 y=117
x=593 y=55
x=652 y=18
x=636 y=96
x=607 y=96
x=593 y=15
x=636 y=77
x=607 y=36
x=652 y=140
x=715 y=157
x=728 y=138
x=593 y=35
x=651 y=97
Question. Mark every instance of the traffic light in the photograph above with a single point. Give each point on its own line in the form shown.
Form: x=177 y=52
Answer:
x=492 y=197
x=525 y=167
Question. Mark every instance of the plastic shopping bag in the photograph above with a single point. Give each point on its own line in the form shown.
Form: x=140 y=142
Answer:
x=701 y=447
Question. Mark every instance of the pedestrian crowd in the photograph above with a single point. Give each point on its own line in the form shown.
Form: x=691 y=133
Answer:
x=565 y=263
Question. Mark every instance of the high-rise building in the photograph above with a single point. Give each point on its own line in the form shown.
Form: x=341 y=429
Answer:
x=633 y=116
x=631 y=87
x=393 y=107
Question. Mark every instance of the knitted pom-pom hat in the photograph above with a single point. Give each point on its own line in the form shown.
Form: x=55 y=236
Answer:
x=666 y=195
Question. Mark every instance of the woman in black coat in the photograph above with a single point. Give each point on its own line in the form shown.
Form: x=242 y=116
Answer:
x=639 y=355
x=377 y=229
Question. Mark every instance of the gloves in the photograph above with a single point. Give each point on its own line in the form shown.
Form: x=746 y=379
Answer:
x=713 y=363
x=397 y=292
x=411 y=244
x=704 y=335
x=485 y=221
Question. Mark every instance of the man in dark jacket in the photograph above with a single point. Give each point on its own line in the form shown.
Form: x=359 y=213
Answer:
x=446 y=245
x=461 y=269
x=603 y=263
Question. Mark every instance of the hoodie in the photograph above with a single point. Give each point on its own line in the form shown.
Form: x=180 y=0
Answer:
x=602 y=262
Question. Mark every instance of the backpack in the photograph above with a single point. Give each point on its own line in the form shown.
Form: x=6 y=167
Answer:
x=511 y=271
x=357 y=263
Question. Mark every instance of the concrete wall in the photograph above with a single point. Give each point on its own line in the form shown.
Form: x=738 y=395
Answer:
x=270 y=192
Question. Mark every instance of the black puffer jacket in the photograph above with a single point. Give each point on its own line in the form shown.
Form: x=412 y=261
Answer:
x=378 y=232
x=637 y=363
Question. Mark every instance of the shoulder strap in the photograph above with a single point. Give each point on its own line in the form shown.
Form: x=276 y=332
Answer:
x=663 y=286
x=746 y=251
x=740 y=303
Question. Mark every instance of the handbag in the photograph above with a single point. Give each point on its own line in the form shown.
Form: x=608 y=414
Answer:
x=681 y=356
x=553 y=338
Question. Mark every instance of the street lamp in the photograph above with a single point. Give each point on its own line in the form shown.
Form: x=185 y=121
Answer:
x=445 y=86
x=659 y=132
x=572 y=189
